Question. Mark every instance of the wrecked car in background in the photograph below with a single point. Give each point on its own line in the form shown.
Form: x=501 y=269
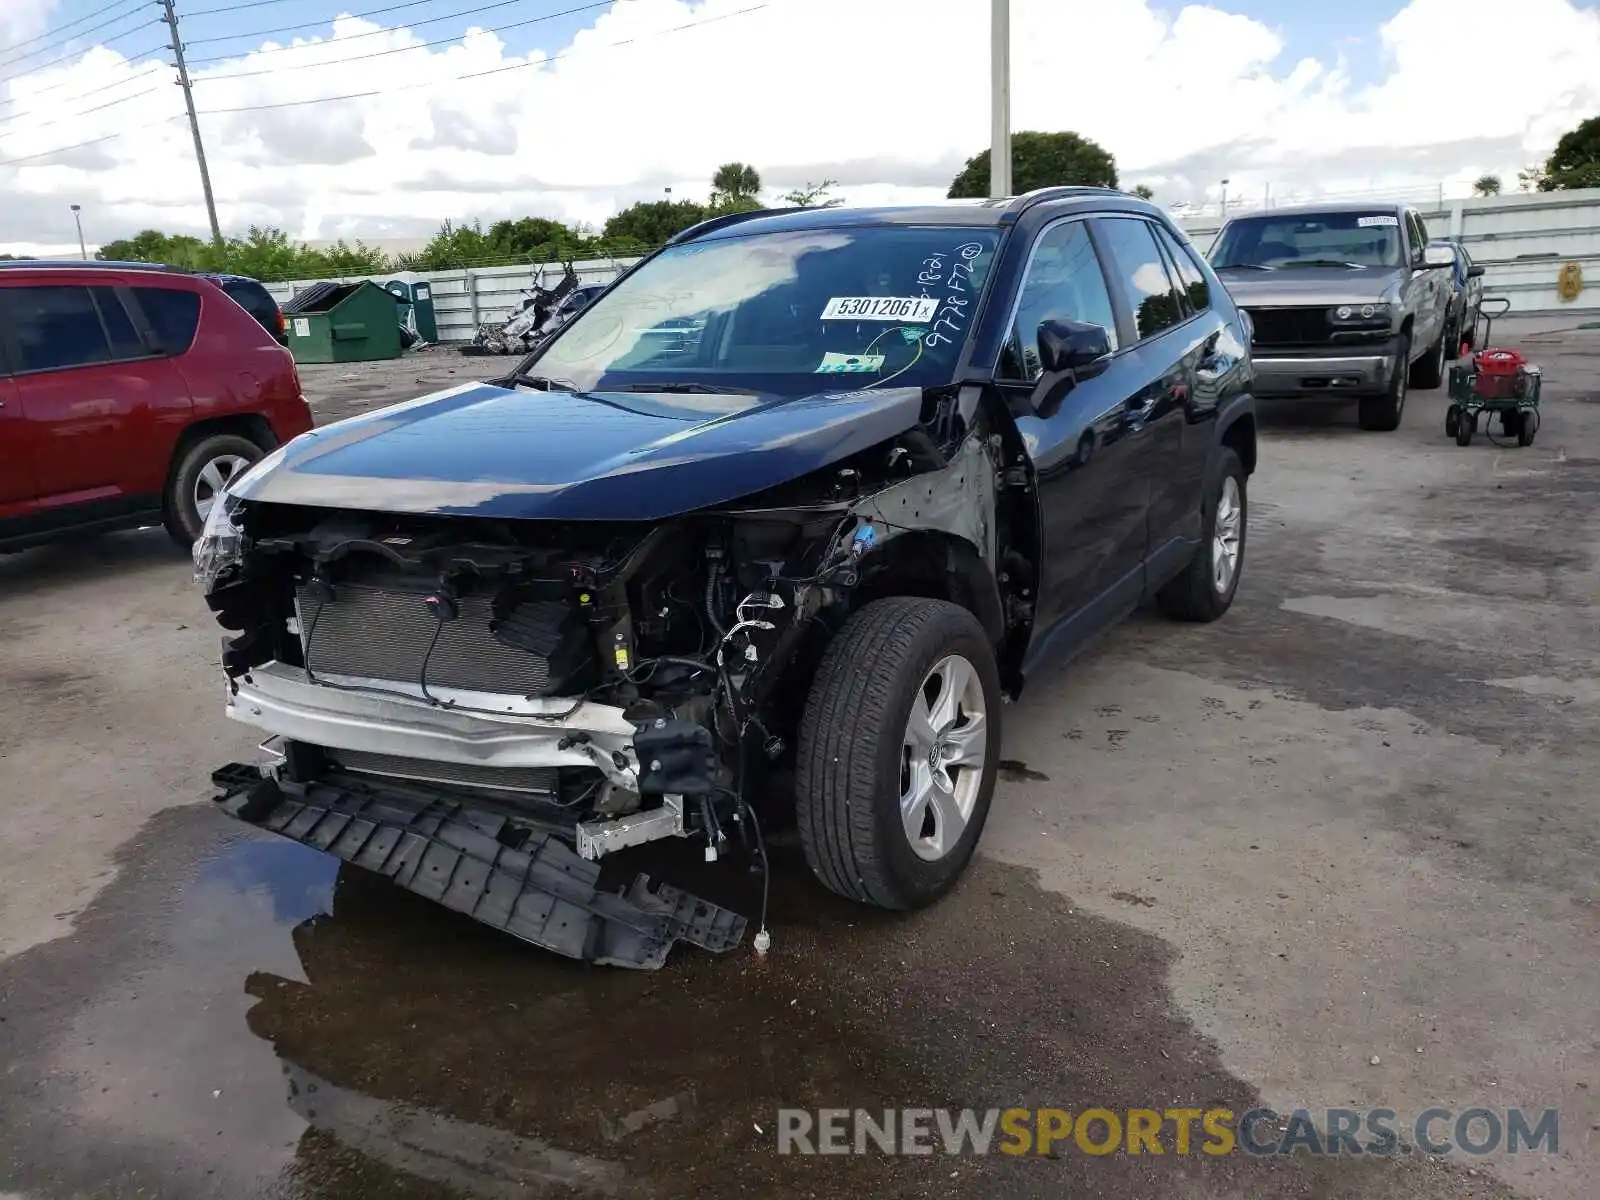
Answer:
x=764 y=537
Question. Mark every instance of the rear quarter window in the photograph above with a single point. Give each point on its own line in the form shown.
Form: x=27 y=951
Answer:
x=174 y=315
x=255 y=300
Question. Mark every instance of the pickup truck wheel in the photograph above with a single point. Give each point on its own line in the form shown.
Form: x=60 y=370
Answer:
x=202 y=472
x=1429 y=369
x=1382 y=414
x=1205 y=589
x=898 y=750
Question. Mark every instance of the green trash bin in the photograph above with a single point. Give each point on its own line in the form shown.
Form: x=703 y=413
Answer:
x=416 y=305
x=343 y=322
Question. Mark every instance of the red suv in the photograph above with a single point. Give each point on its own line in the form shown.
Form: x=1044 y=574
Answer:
x=130 y=394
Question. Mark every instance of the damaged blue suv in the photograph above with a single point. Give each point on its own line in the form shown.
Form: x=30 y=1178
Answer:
x=763 y=538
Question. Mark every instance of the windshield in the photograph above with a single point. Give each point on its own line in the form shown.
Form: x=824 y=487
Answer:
x=782 y=312
x=1359 y=239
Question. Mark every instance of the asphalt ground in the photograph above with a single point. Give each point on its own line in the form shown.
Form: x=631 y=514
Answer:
x=1338 y=850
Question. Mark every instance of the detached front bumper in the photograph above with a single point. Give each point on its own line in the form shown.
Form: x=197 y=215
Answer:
x=279 y=699
x=1324 y=371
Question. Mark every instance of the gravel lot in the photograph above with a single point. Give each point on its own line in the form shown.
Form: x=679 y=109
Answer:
x=1338 y=850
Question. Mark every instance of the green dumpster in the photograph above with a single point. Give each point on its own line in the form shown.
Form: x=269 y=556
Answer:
x=416 y=305
x=343 y=322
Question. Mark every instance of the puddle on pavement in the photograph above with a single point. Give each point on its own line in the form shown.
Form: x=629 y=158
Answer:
x=276 y=1024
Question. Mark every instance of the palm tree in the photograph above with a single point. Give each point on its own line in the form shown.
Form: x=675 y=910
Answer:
x=1486 y=185
x=735 y=181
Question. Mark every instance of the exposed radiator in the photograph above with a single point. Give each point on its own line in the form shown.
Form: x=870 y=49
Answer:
x=505 y=779
x=384 y=633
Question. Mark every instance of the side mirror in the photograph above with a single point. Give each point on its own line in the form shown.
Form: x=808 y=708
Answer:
x=1071 y=346
x=1475 y=272
x=1435 y=257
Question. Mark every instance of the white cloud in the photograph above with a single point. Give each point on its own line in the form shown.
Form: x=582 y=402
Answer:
x=889 y=96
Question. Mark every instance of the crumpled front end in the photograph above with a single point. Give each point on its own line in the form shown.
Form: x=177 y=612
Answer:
x=487 y=710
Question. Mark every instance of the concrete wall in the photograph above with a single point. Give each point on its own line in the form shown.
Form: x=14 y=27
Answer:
x=1522 y=241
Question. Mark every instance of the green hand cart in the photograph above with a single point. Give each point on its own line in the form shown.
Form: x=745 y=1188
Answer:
x=1494 y=381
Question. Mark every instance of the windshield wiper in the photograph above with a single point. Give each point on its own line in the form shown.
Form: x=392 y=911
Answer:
x=678 y=387
x=544 y=383
x=1246 y=267
x=1326 y=262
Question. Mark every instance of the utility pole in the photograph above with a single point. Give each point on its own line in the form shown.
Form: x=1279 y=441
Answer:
x=82 y=249
x=1000 y=99
x=170 y=15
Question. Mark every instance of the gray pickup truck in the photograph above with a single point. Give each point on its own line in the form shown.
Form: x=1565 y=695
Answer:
x=1347 y=300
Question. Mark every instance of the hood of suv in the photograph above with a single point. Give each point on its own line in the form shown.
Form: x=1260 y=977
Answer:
x=483 y=450
x=1310 y=286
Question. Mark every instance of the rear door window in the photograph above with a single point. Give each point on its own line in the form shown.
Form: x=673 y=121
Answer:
x=173 y=314
x=123 y=337
x=1189 y=275
x=55 y=327
x=1155 y=300
x=255 y=300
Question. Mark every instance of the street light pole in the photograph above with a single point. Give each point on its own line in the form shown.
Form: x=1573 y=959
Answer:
x=77 y=220
x=1000 y=99
x=1224 y=199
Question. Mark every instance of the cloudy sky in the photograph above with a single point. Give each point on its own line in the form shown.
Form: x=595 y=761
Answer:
x=328 y=123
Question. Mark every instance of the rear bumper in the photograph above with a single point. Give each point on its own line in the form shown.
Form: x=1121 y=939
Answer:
x=1324 y=372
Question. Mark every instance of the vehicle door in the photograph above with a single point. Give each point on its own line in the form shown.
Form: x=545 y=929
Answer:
x=92 y=394
x=1430 y=289
x=1206 y=356
x=18 y=490
x=1473 y=300
x=1089 y=459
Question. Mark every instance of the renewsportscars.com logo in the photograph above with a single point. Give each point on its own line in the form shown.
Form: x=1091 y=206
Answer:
x=1181 y=1131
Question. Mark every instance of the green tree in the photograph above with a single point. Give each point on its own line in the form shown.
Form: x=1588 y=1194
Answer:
x=535 y=239
x=1486 y=185
x=1144 y=191
x=648 y=224
x=153 y=246
x=734 y=182
x=1040 y=160
x=813 y=195
x=1575 y=162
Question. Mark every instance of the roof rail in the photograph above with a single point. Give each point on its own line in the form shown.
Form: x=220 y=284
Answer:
x=1021 y=204
x=711 y=224
x=91 y=264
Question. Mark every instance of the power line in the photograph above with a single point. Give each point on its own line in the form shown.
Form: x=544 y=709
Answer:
x=8 y=162
x=521 y=66
x=228 y=8
x=375 y=12
x=104 y=87
x=72 y=37
x=68 y=25
x=329 y=62
x=97 y=108
x=104 y=43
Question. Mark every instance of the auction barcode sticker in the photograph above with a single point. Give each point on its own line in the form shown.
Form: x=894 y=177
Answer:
x=880 y=308
x=1370 y=222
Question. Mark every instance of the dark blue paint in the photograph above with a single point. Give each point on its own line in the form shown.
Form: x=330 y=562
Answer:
x=604 y=456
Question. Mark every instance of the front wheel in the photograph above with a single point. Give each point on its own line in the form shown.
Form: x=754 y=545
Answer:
x=1205 y=589
x=1382 y=413
x=898 y=750
x=199 y=479
x=1428 y=372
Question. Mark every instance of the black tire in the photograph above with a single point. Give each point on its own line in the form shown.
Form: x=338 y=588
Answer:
x=1528 y=427
x=1452 y=342
x=181 y=509
x=1465 y=428
x=848 y=777
x=1193 y=595
x=1381 y=414
x=1428 y=371
x=1452 y=421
